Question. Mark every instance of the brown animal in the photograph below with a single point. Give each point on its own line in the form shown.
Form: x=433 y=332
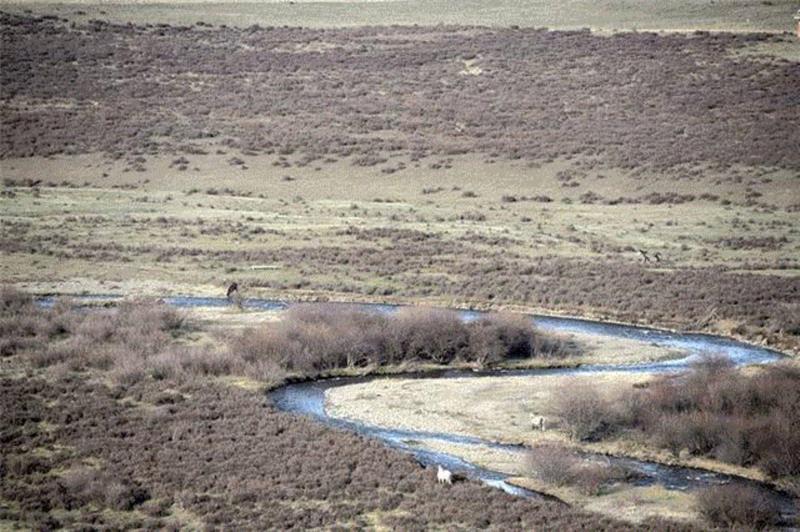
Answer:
x=233 y=294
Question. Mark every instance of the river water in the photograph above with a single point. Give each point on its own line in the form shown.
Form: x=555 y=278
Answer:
x=308 y=398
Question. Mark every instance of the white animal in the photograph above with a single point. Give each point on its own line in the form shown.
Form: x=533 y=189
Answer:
x=443 y=476
x=538 y=423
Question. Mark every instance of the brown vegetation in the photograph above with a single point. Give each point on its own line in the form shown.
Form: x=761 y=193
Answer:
x=156 y=449
x=317 y=337
x=735 y=506
x=222 y=459
x=713 y=410
x=558 y=466
x=764 y=306
x=631 y=100
x=133 y=340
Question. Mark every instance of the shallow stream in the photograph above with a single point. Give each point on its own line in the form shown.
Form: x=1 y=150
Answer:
x=308 y=398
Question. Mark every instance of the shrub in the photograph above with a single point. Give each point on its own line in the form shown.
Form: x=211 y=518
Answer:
x=711 y=410
x=737 y=505
x=427 y=334
x=552 y=464
x=561 y=467
x=312 y=338
x=585 y=411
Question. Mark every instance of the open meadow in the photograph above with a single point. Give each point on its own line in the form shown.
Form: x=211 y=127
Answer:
x=633 y=163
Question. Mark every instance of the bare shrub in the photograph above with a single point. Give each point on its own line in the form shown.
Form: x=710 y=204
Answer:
x=90 y=486
x=21 y=327
x=202 y=361
x=556 y=465
x=313 y=338
x=711 y=410
x=552 y=464
x=585 y=411
x=736 y=505
x=427 y=334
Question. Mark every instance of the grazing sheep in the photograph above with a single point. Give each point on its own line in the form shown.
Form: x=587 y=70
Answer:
x=443 y=476
x=538 y=423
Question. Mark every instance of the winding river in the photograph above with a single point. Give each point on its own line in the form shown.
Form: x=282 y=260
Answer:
x=308 y=398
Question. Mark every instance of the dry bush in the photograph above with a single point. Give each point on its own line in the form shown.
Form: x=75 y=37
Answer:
x=427 y=334
x=561 y=467
x=497 y=337
x=736 y=505
x=86 y=486
x=552 y=464
x=21 y=326
x=132 y=340
x=712 y=410
x=585 y=411
x=312 y=338
x=136 y=340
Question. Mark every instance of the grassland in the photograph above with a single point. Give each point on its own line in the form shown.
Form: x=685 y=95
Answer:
x=490 y=167
x=676 y=15
x=126 y=418
x=421 y=164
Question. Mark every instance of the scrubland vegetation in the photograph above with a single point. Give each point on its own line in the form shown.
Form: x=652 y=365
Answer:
x=680 y=144
x=141 y=340
x=738 y=507
x=76 y=454
x=747 y=419
x=631 y=100
x=115 y=418
x=315 y=338
x=559 y=466
x=457 y=165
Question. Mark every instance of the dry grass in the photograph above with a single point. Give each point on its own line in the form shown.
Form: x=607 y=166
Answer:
x=604 y=16
x=493 y=408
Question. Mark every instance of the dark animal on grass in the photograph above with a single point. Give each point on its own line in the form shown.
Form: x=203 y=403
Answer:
x=644 y=255
x=233 y=294
x=657 y=256
x=232 y=290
